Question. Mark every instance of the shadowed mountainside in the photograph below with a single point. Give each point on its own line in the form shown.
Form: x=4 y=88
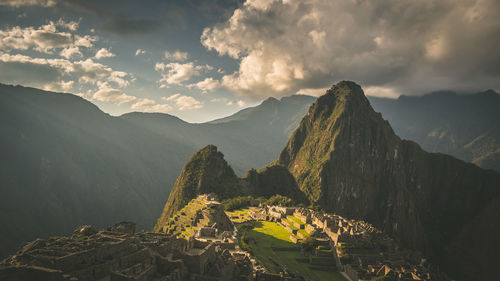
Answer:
x=65 y=162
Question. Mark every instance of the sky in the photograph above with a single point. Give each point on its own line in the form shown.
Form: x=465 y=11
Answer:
x=205 y=59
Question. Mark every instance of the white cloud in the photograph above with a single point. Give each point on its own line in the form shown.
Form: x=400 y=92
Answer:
x=91 y=72
x=183 y=102
x=120 y=78
x=43 y=39
x=39 y=72
x=408 y=46
x=312 y=92
x=176 y=73
x=381 y=92
x=142 y=103
x=106 y=93
x=71 y=25
x=172 y=97
x=207 y=85
x=19 y=3
x=148 y=105
x=61 y=86
x=238 y=103
x=176 y=55
x=71 y=52
x=103 y=53
x=140 y=52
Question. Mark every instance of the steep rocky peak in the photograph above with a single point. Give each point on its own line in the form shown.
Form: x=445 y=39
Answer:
x=334 y=112
x=207 y=167
x=347 y=159
x=346 y=94
x=207 y=153
x=205 y=172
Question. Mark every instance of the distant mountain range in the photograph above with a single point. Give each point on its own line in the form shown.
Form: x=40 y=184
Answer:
x=66 y=163
x=465 y=126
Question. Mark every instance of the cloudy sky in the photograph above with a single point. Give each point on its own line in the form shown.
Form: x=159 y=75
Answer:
x=203 y=59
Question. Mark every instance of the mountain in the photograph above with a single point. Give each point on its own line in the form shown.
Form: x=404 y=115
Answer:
x=66 y=163
x=347 y=159
x=207 y=172
x=250 y=138
x=465 y=126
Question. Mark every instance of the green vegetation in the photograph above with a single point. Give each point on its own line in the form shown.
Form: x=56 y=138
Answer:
x=237 y=202
x=259 y=238
x=244 y=201
x=279 y=200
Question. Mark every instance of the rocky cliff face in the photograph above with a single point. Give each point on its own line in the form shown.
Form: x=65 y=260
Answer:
x=348 y=160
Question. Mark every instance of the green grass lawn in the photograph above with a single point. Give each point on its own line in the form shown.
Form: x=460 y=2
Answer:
x=296 y=219
x=266 y=234
x=290 y=224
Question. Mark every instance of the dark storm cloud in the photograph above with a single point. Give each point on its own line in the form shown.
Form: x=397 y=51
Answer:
x=137 y=18
x=117 y=20
x=129 y=27
x=408 y=46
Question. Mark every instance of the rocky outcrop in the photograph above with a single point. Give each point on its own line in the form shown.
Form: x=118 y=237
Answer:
x=206 y=172
x=271 y=180
x=348 y=160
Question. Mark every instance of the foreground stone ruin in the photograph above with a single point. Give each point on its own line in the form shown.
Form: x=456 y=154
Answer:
x=119 y=254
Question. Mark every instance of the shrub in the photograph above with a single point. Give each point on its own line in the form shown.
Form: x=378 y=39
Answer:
x=237 y=203
x=279 y=200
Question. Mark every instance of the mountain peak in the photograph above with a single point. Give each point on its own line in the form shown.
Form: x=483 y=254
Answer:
x=343 y=96
x=205 y=172
x=347 y=85
x=270 y=100
x=349 y=91
x=347 y=159
x=332 y=120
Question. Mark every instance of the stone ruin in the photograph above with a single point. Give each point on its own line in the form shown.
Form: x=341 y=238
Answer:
x=120 y=254
x=197 y=218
